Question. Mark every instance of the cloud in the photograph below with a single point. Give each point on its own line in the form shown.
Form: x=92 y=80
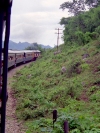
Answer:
x=35 y=21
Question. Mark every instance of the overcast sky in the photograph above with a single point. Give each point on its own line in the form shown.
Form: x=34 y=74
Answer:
x=36 y=20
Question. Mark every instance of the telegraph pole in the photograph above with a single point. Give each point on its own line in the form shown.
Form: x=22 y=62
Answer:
x=58 y=37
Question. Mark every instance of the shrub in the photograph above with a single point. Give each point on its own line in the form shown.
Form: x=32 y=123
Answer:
x=73 y=68
x=84 y=66
x=80 y=37
x=87 y=37
x=98 y=45
x=97 y=29
x=94 y=35
x=95 y=97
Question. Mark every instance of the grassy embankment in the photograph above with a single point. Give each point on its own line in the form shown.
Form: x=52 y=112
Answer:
x=40 y=88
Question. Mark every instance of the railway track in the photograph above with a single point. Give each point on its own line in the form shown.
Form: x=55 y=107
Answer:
x=12 y=124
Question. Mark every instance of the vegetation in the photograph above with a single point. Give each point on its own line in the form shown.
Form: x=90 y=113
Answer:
x=79 y=6
x=35 y=46
x=41 y=88
x=68 y=81
x=82 y=29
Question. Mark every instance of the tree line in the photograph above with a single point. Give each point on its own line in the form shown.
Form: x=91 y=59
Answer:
x=83 y=26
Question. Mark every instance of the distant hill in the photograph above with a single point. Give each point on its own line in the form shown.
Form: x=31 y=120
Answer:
x=23 y=45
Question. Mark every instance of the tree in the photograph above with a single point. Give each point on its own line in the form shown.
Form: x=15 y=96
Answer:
x=83 y=28
x=75 y=6
x=64 y=20
x=80 y=37
x=35 y=46
x=79 y=6
x=92 y=3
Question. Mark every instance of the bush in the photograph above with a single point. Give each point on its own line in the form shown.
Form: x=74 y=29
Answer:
x=95 y=97
x=94 y=35
x=97 y=29
x=80 y=37
x=73 y=68
x=84 y=66
x=87 y=37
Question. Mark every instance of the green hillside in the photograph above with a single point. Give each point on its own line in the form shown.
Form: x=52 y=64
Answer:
x=74 y=91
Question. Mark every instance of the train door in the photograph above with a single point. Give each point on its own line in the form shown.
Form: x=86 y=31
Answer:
x=15 y=60
x=24 y=59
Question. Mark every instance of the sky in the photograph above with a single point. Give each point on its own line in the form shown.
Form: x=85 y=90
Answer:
x=36 y=21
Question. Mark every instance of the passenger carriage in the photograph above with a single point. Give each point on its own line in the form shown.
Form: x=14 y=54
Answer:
x=16 y=57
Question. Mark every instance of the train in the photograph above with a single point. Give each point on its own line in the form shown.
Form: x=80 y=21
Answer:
x=16 y=57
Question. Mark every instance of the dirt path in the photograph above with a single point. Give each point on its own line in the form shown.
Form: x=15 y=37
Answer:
x=12 y=124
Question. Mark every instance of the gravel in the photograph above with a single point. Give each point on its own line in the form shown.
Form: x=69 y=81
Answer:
x=12 y=123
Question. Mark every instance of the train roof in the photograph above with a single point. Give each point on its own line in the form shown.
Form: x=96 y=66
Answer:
x=22 y=51
x=14 y=51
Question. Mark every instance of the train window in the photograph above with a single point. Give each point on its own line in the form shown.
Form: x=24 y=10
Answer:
x=10 y=57
x=18 y=56
x=2 y=57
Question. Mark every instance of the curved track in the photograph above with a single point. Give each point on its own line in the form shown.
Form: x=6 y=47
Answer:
x=12 y=124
